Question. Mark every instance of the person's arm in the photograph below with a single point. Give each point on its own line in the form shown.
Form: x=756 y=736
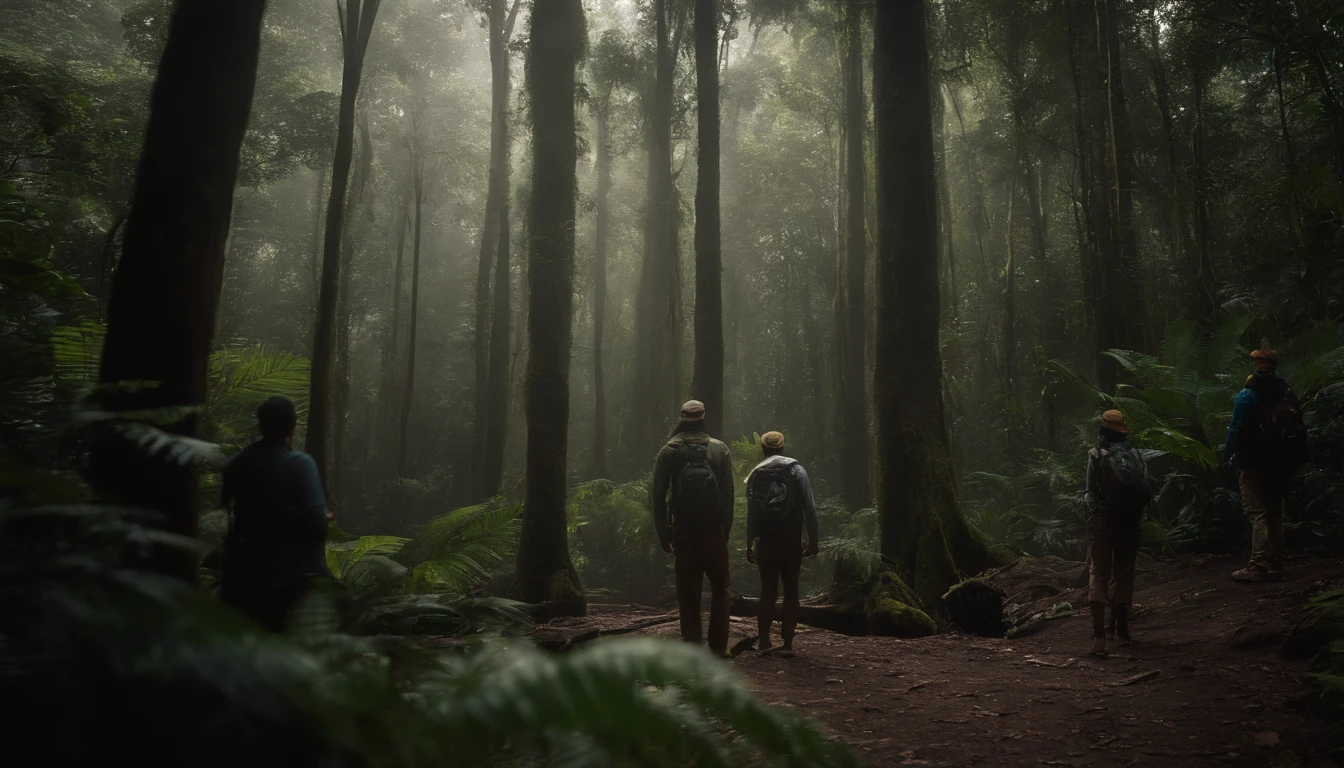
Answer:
x=809 y=507
x=312 y=502
x=1236 y=430
x=753 y=516
x=1090 y=489
x=730 y=493
x=661 y=479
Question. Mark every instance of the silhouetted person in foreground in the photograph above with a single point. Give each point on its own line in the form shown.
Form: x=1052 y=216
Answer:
x=1266 y=442
x=1118 y=491
x=698 y=471
x=276 y=545
x=779 y=504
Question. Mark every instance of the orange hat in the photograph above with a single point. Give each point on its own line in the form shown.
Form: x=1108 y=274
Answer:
x=772 y=440
x=1114 y=420
x=1265 y=359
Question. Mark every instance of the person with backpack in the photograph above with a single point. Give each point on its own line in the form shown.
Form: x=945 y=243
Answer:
x=697 y=471
x=1266 y=443
x=779 y=505
x=275 y=548
x=1118 y=491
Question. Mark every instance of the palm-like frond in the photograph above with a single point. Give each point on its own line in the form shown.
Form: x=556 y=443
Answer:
x=462 y=548
x=76 y=351
x=242 y=376
x=366 y=563
x=505 y=699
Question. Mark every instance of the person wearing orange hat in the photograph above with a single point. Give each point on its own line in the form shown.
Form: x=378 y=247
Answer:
x=697 y=471
x=1118 y=489
x=1265 y=443
x=779 y=507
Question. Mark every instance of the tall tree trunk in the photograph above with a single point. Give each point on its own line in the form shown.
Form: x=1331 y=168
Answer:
x=945 y=202
x=545 y=573
x=924 y=536
x=1180 y=244
x=707 y=375
x=1010 y=372
x=854 y=455
x=387 y=397
x=408 y=387
x=658 y=302
x=1205 y=304
x=1289 y=156
x=496 y=417
x=356 y=27
x=344 y=313
x=315 y=251
x=1128 y=269
x=600 y=292
x=165 y=292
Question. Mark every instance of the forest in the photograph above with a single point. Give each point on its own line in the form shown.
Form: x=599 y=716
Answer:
x=488 y=248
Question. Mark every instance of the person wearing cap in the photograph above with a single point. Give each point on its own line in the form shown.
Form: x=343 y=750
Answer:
x=779 y=506
x=1264 y=486
x=275 y=548
x=1117 y=490
x=696 y=471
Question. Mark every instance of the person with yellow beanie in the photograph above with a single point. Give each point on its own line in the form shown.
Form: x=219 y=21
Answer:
x=1118 y=490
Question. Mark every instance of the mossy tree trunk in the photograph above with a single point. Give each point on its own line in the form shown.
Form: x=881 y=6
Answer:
x=925 y=539
x=545 y=573
x=707 y=374
x=161 y=312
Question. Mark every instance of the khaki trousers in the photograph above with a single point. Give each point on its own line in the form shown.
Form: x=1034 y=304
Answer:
x=1111 y=551
x=1264 y=496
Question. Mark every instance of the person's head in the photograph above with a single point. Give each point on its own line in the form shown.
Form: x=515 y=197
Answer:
x=692 y=417
x=1113 y=426
x=1265 y=360
x=772 y=444
x=277 y=418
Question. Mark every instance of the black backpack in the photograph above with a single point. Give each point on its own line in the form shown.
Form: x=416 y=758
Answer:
x=1123 y=478
x=696 y=497
x=772 y=488
x=1282 y=439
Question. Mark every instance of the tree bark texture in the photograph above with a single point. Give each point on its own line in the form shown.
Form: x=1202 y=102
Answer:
x=545 y=573
x=707 y=374
x=924 y=536
x=356 y=27
x=854 y=454
x=165 y=292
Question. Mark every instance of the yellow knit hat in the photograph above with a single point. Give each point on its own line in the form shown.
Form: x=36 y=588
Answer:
x=772 y=440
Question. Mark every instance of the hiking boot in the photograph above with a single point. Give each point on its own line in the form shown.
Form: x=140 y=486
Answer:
x=1253 y=574
x=1121 y=621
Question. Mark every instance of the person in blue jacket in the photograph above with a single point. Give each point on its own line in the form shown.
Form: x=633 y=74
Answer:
x=1264 y=481
x=275 y=548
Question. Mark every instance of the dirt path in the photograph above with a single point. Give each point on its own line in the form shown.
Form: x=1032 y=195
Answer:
x=1203 y=684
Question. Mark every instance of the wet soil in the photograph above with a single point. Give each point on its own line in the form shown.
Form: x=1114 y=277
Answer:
x=1203 y=683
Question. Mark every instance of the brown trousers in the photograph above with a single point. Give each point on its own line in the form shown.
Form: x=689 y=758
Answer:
x=1264 y=496
x=1111 y=552
x=700 y=557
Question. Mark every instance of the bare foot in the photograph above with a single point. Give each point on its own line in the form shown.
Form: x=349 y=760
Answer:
x=1099 y=647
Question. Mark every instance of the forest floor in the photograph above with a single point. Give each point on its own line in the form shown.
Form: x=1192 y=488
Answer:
x=1203 y=683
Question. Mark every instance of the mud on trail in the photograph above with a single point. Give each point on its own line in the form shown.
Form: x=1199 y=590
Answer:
x=1203 y=683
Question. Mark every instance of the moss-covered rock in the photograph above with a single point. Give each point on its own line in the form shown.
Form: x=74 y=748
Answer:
x=976 y=607
x=893 y=610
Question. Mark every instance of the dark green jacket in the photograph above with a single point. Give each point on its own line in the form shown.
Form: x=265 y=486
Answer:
x=670 y=461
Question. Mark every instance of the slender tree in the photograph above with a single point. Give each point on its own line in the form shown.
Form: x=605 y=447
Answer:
x=161 y=313
x=707 y=374
x=924 y=536
x=601 y=227
x=491 y=343
x=408 y=391
x=658 y=318
x=545 y=573
x=356 y=20
x=345 y=313
x=852 y=331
